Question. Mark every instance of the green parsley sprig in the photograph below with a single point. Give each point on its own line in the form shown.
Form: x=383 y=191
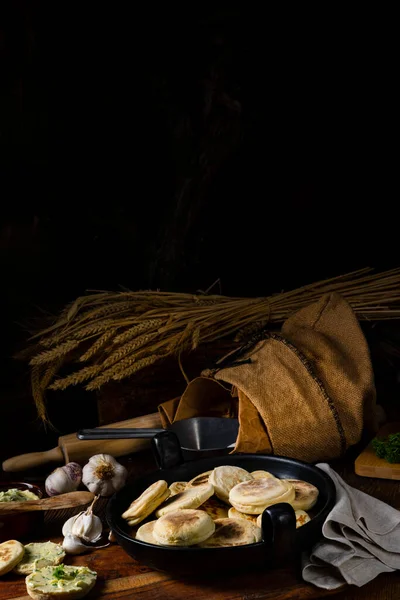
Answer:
x=388 y=448
x=60 y=573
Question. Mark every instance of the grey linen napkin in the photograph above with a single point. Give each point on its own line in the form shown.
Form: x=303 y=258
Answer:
x=361 y=538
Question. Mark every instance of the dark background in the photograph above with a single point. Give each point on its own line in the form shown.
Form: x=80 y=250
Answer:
x=157 y=147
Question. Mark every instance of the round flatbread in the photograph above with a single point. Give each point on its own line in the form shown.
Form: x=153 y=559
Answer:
x=147 y=502
x=235 y=514
x=233 y=532
x=61 y=583
x=226 y=477
x=200 y=479
x=11 y=553
x=38 y=555
x=252 y=497
x=145 y=533
x=262 y=475
x=177 y=486
x=306 y=494
x=183 y=528
x=301 y=518
x=215 y=508
x=190 y=498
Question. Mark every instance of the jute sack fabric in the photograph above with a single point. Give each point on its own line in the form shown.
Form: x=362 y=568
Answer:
x=306 y=392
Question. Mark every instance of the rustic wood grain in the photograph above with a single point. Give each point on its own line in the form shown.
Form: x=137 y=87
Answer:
x=121 y=577
x=63 y=501
x=367 y=464
x=384 y=587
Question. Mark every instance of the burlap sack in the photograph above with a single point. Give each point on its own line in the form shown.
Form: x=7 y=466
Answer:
x=307 y=392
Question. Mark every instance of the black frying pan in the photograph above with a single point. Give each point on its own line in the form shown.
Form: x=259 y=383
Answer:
x=199 y=437
x=280 y=538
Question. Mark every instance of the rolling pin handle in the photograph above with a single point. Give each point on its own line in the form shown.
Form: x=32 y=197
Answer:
x=24 y=462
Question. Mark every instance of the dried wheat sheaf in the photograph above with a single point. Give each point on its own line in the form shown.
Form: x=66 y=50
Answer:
x=112 y=335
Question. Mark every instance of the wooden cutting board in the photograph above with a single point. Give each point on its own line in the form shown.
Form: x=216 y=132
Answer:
x=369 y=465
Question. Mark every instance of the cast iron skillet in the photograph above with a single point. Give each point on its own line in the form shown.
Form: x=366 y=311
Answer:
x=281 y=540
x=199 y=437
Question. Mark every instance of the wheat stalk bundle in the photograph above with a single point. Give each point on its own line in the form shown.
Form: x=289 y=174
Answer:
x=112 y=335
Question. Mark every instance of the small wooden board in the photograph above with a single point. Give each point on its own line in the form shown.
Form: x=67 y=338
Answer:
x=369 y=465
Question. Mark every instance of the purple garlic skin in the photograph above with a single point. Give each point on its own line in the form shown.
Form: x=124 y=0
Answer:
x=64 y=479
x=74 y=471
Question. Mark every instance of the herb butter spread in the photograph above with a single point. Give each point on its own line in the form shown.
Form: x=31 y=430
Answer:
x=14 y=495
x=38 y=555
x=52 y=581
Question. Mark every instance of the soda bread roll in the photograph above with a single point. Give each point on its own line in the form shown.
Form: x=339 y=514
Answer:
x=253 y=497
x=60 y=583
x=200 y=479
x=190 y=498
x=38 y=555
x=145 y=533
x=11 y=553
x=235 y=514
x=306 y=494
x=177 y=486
x=184 y=527
x=147 y=502
x=233 y=532
x=262 y=475
x=215 y=508
x=301 y=518
x=226 y=477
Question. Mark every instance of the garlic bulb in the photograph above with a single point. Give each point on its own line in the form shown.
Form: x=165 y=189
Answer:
x=103 y=475
x=86 y=526
x=73 y=545
x=64 y=479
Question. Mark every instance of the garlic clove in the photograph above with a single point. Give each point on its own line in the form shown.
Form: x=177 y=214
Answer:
x=103 y=475
x=64 y=479
x=73 y=545
x=67 y=527
x=87 y=527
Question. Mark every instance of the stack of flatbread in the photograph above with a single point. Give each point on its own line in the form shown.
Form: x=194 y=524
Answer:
x=222 y=507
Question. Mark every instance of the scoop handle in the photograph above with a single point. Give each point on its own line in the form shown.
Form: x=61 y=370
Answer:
x=104 y=433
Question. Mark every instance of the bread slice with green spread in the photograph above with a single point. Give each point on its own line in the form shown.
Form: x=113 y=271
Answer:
x=38 y=555
x=60 y=583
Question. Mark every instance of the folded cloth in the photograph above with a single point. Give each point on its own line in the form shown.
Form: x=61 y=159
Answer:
x=361 y=539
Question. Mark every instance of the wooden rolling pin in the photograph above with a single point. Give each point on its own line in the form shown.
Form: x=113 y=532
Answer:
x=70 y=449
x=68 y=500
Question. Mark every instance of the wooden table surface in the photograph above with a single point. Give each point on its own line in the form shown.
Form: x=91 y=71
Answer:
x=119 y=576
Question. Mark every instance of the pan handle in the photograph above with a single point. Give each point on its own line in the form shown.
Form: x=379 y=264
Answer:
x=109 y=433
x=279 y=525
x=167 y=450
